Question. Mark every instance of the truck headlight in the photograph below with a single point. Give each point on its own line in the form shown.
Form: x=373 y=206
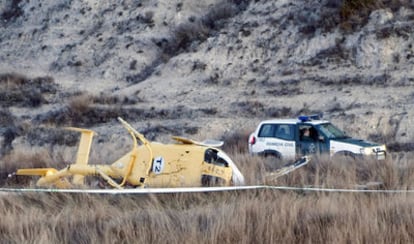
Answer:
x=366 y=150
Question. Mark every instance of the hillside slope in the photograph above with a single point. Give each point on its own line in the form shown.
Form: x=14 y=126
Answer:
x=202 y=69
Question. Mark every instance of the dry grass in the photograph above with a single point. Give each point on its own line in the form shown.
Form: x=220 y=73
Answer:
x=237 y=217
x=263 y=216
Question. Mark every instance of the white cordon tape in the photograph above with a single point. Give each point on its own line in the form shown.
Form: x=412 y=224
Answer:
x=194 y=190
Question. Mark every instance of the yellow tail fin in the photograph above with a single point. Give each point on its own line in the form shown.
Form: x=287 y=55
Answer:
x=39 y=171
x=84 y=149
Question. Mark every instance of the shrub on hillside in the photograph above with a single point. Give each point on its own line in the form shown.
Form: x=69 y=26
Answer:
x=10 y=11
x=19 y=90
x=355 y=13
x=18 y=160
x=188 y=34
x=235 y=142
x=357 y=7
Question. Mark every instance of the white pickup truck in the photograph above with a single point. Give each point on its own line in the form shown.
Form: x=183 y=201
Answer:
x=307 y=135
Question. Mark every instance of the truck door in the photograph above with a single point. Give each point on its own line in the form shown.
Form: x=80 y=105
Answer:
x=278 y=139
x=308 y=142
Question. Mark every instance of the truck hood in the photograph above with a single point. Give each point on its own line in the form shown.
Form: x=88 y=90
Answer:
x=357 y=142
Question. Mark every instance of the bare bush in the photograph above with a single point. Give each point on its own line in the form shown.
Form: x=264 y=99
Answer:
x=41 y=136
x=153 y=132
x=381 y=80
x=236 y=142
x=188 y=35
x=80 y=104
x=357 y=7
x=17 y=160
x=257 y=109
x=10 y=11
x=219 y=12
x=116 y=100
x=355 y=13
x=6 y=117
x=18 y=90
x=8 y=130
x=285 y=91
x=83 y=112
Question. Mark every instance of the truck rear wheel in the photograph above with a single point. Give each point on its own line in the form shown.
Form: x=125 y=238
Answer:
x=272 y=160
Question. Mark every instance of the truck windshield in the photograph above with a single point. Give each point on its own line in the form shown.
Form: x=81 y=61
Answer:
x=332 y=131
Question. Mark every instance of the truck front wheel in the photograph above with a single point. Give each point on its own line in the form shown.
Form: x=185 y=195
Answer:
x=344 y=157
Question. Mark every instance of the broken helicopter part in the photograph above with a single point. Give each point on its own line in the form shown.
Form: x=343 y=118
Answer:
x=186 y=163
x=304 y=160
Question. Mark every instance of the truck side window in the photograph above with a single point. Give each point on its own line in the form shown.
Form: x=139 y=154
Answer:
x=284 y=132
x=308 y=133
x=267 y=130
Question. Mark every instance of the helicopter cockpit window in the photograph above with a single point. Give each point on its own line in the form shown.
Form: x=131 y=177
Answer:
x=211 y=157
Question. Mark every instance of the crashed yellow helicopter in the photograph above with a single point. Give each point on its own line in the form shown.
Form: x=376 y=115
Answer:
x=186 y=163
